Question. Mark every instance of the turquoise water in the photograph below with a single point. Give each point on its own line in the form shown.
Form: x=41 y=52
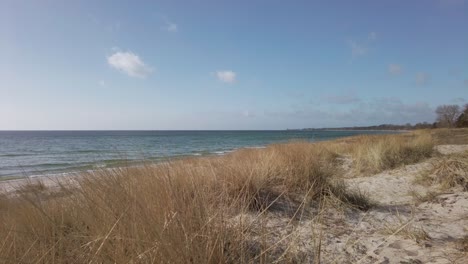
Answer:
x=30 y=153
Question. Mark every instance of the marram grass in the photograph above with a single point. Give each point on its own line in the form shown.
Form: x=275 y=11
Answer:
x=182 y=211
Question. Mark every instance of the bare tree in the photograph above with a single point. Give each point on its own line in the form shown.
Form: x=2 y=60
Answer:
x=462 y=120
x=447 y=115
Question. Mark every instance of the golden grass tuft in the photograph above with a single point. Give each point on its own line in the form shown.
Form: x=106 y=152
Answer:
x=373 y=154
x=416 y=234
x=406 y=228
x=137 y=215
x=447 y=171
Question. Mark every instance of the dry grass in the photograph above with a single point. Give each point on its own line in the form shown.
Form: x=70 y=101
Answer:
x=182 y=211
x=113 y=217
x=463 y=244
x=429 y=197
x=177 y=212
x=443 y=136
x=447 y=172
x=373 y=154
x=407 y=229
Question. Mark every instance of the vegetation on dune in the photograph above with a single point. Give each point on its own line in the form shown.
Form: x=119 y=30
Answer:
x=447 y=172
x=183 y=211
x=373 y=154
x=450 y=136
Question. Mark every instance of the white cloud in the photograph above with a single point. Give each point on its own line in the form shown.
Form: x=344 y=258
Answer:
x=357 y=49
x=422 y=78
x=171 y=27
x=129 y=63
x=395 y=69
x=102 y=83
x=226 y=76
x=372 y=36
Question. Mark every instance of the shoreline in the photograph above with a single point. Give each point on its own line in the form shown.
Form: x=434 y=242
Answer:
x=12 y=183
x=53 y=177
x=77 y=152
x=130 y=163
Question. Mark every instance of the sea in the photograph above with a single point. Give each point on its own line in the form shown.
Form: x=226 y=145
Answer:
x=41 y=153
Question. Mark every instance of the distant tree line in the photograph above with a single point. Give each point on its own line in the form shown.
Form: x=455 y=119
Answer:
x=378 y=127
x=451 y=116
x=447 y=116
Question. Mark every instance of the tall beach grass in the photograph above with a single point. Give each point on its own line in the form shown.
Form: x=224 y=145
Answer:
x=182 y=211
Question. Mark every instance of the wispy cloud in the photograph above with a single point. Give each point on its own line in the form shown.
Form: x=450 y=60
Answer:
x=422 y=78
x=342 y=99
x=169 y=26
x=366 y=112
x=360 y=48
x=129 y=63
x=459 y=100
x=357 y=49
x=226 y=76
x=395 y=69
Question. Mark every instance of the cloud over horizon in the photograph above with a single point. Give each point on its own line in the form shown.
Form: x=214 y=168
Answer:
x=373 y=111
x=129 y=63
x=226 y=76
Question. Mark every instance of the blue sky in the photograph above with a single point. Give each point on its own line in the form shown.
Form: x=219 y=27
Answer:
x=229 y=64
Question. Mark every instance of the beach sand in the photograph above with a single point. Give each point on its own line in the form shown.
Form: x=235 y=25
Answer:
x=398 y=230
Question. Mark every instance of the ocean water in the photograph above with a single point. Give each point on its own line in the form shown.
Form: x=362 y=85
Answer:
x=34 y=153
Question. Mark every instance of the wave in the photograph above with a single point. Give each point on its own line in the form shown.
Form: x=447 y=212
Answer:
x=256 y=147
x=15 y=155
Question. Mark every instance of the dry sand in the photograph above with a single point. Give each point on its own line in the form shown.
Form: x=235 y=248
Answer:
x=397 y=230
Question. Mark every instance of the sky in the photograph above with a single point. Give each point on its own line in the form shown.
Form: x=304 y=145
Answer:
x=190 y=65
